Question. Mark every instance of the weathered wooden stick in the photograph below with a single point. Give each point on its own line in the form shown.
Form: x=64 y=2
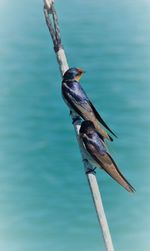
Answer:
x=52 y=23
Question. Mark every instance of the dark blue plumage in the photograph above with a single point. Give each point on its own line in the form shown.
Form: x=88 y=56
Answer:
x=72 y=73
x=75 y=91
x=96 y=141
x=94 y=138
x=77 y=100
x=99 y=155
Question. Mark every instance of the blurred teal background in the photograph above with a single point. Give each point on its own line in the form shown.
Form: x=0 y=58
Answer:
x=45 y=202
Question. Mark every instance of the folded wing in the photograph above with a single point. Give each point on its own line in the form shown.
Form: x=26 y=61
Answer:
x=78 y=100
x=104 y=160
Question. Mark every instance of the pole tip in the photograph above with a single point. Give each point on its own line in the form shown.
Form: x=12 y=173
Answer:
x=48 y=5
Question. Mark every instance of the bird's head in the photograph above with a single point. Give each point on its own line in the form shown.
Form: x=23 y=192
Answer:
x=73 y=74
x=86 y=126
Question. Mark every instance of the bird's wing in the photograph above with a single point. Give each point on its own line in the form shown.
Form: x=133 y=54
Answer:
x=77 y=99
x=80 y=102
x=99 y=118
x=103 y=159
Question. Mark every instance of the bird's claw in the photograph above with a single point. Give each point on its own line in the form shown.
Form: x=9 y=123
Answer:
x=85 y=160
x=91 y=170
x=75 y=119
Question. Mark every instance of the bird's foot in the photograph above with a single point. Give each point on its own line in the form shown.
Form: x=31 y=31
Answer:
x=75 y=119
x=91 y=170
x=85 y=160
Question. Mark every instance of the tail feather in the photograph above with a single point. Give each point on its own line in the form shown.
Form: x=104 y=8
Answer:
x=100 y=130
x=115 y=173
x=101 y=120
x=111 y=139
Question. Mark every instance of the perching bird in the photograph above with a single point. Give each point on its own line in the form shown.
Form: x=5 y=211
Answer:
x=77 y=100
x=98 y=154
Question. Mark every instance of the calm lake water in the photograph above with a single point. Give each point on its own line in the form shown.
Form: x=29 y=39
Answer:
x=45 y=202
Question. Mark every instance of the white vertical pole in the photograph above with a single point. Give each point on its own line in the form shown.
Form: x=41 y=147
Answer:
x=92 y=181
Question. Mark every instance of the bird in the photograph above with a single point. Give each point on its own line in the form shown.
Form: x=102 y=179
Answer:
x=78 y=101
x=98 y=155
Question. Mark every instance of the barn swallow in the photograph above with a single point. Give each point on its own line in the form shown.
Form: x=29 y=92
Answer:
x=98 y=154
x=77 y=100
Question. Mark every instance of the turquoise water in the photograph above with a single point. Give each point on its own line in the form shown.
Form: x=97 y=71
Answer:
x=45 y=202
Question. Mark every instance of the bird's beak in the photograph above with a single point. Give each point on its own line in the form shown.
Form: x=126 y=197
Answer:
x=80 y=73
